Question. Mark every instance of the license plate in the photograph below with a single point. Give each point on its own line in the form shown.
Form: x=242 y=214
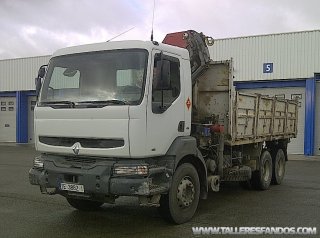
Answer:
x=72 y=187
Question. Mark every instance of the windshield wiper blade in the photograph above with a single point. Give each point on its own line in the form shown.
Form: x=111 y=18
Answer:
x=111 y=101
x=117 y=101
x=58 y=102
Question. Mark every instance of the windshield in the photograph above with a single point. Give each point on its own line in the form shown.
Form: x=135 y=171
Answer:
x=115 y=77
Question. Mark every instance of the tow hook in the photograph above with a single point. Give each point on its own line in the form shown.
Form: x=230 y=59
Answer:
x=48 y=191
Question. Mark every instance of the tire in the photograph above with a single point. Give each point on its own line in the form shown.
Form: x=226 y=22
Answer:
x=180 y=204
x=84 y=205
x=278 y=167
x=261 y=179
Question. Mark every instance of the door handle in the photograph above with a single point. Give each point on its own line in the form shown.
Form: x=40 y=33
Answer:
x=181 y=126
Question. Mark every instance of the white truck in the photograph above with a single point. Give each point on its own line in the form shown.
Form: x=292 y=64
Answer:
x=159 y=121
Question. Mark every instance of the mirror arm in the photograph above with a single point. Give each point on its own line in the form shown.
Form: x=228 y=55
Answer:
x=38 y=86
x=162 y=103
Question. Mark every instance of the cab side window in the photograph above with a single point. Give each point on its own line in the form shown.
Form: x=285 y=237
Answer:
x=163 y=99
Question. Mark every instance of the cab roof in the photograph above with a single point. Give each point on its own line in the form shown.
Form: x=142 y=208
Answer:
x=117 y=45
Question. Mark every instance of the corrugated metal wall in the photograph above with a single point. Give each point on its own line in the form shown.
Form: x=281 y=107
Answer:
x=19 y=74
x=294 y=55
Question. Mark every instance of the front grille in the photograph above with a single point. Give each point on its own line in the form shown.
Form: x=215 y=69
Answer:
x=84 y=142
x=80 y=160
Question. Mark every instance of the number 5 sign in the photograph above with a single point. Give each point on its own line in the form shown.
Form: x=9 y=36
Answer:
x=267 y=68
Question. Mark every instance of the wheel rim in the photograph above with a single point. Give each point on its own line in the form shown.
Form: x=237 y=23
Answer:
x=266 y=171
x=185 y=192
x=281 y=167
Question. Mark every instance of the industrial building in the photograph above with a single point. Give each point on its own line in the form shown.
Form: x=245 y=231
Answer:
x=18 y=97
x=284 y=65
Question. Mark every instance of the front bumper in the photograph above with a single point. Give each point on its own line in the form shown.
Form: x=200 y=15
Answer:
x=98 y=179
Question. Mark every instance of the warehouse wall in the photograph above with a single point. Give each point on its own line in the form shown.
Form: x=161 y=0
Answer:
x=19 y=74
x=8 y=118
x=286 y=56
x=16 y=116
x=17 y=78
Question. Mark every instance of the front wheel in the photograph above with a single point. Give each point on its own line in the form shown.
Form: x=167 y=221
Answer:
x=182 y=201
x=84 y=205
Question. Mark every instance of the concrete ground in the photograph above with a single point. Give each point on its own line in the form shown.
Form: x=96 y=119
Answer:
x=24 y=212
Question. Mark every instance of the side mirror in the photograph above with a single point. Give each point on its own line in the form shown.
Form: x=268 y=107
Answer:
x=162 y=75
x=38 y=79
x=41 y=71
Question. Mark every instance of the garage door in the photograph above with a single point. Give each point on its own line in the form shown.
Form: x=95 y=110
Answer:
x=296 y=146
x=7 y=119
x=31 y=105
x=317 y=118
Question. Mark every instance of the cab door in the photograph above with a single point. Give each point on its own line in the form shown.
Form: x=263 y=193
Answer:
x=166 y=108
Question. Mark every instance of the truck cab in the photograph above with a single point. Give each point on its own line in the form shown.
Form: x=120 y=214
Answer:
x=114 y=119
x=108 y=98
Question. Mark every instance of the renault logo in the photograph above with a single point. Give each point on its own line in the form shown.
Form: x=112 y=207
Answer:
x=76 y=148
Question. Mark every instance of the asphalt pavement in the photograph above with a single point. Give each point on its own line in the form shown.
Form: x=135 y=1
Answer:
x=25 y=212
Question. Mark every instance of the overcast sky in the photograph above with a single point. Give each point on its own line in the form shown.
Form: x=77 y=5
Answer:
x=39 y=27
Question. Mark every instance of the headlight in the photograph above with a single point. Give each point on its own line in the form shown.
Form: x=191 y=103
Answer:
x=131 y=170
x=38 y=163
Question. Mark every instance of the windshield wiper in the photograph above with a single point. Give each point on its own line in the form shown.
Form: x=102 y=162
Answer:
x=57 y=103
x=82 y=104
x=105 y=102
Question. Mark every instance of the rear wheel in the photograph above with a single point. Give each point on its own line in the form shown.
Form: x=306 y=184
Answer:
x=261 y=179
x=182 y=201
x=84 y=205
x=279 y=167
